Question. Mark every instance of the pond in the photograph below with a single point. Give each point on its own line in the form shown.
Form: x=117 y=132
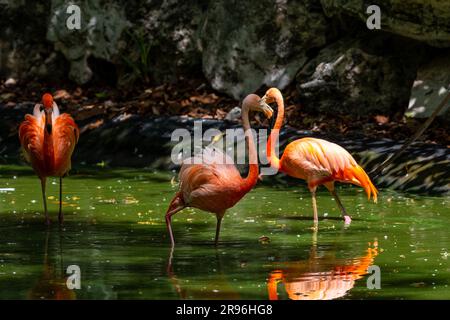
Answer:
x=115 y=232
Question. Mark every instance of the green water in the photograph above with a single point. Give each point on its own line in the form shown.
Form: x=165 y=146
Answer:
x=115 y=232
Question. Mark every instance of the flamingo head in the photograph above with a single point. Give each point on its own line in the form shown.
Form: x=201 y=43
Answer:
x=271 y=96
x=252 y=102
x=50 y=109
x=47 y=101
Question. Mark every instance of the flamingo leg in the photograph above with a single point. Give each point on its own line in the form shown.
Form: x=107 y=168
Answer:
x=60 y=214
x=219 y=222
x=344 y=213
x=44 y=198
x=314 y=204
x=169 y=215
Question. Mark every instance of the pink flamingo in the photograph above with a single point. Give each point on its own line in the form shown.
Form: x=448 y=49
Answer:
x=213 y=183
x=317 y=161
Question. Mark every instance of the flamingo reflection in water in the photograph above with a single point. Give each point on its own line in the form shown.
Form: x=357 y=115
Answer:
x=52 y=283
x=217 y=287
x=320 y=277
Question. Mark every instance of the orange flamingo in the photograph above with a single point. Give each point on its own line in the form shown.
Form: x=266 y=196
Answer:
x=48 y=140
x=211 y=182
x=317 y=161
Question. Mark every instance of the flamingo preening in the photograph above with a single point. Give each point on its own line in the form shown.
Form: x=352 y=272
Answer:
x=211 y=182
x=48 y=140
x=317 y=161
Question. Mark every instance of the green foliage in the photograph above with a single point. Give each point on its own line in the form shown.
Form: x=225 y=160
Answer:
x=139 y=60
x=101 y=95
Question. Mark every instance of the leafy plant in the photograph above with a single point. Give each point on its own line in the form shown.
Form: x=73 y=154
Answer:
x=139 y=59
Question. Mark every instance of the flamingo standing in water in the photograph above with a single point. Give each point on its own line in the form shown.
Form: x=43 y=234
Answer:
x=48 y=140
x=317 y=161
x=211 y=182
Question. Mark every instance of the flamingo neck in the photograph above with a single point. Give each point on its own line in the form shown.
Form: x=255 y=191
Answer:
x=275 y=133
x=252 y=176
x=48 y=142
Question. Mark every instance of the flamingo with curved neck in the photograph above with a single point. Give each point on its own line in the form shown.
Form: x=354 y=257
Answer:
x=212 y=182
x=317 y=161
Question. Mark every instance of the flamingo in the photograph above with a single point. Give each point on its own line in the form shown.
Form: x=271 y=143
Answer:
x=48 y=140
x=211 y=182
x=317 y=161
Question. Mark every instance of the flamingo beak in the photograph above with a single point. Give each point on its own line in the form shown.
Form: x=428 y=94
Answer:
x=268 y=111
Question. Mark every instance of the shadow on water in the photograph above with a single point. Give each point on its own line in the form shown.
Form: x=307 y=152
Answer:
x=217 y=288
x=94 y=173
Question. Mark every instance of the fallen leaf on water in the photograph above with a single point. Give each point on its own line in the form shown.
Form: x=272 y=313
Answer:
x=264 y=240
x=113 y=201
x=149 y=223
x=130 y=200
x=418 y=284
x=63 y=203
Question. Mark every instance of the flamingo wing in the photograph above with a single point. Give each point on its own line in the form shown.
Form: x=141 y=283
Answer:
x=319 y=161
x=209 y=166
x=31 y=136
x=65 y=137
x=209 y=180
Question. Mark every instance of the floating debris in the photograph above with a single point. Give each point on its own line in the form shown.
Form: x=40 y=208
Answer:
x=112 y=201
x=152 y=223
x=130 y=200
x=264 y=240
x=418 y=284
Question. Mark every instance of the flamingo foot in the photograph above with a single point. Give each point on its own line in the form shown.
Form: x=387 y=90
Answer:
x=347 y=220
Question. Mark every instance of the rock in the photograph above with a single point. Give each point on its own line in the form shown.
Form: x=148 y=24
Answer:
x=10 y=82
x=246 y=44
x=360 y=76
x=7 y=96
x=109 y=104
x=427 y=21
x=24 y=53
x=430 y=87
x=170 y=27
x=234 y=114
x=101 y=30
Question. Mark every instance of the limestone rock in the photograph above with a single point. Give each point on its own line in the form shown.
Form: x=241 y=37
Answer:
x=359 y=77
x=24 y=53
x=427 y=21
x=246 y=44
x=102 y=25
x=430 y=87
x=171 y=27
